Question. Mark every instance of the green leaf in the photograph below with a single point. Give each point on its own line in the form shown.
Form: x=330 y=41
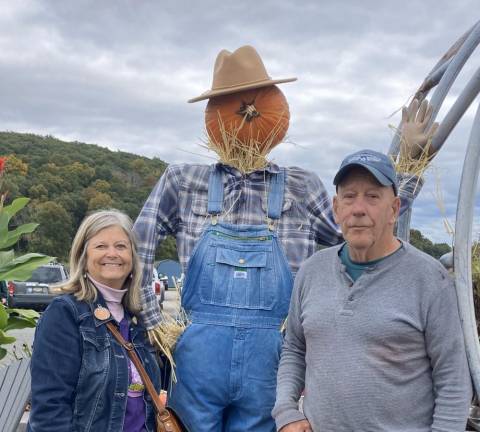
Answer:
x=18 y=323
x=3 y=353
x=3 y=224
x=25 y=258
x=14 y=236
x=25 y=313
x=6 y=257
x=21 y=268
x=3 y=317
x=15 y=206
x=6 y=340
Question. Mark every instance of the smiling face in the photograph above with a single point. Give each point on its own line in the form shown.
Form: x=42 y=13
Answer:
x=109 y=257
x=366 y=212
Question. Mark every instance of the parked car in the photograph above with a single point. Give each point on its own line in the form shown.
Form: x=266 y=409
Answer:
x=167 y=269
x=164 y=279
x=38 y=291
x=158 y=288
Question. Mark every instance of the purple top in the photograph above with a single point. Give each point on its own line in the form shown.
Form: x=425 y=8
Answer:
x=135 y=412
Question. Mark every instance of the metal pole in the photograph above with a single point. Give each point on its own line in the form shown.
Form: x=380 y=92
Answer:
x=457 y=110
x=463 y=250
x=454 y=69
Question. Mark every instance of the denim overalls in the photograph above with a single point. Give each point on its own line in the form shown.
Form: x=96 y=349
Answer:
x=237 y=293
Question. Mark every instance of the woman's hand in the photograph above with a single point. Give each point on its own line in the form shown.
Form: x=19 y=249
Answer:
x=298 y=426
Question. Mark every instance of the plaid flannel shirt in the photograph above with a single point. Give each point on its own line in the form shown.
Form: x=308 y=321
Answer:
x=177 y=206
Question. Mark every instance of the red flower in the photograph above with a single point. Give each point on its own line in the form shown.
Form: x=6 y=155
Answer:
x=2 y=163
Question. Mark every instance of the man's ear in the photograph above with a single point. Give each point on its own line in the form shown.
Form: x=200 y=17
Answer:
x=395 y=208
x=335 y=207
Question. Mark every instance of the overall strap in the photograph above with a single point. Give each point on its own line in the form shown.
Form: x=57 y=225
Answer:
x=215 y=191
x=275 y=196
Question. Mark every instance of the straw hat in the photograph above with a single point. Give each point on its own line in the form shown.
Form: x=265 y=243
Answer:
x=241 y=70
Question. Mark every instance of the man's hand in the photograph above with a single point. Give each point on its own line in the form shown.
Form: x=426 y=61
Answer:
x=298 y=426
x=415 y=137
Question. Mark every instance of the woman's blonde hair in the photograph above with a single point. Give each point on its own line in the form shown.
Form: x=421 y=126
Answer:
x=78 y=283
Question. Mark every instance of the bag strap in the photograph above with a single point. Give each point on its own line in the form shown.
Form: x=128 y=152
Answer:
x=159 y=406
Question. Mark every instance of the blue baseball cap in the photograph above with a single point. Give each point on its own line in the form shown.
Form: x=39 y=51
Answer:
x=378 y=164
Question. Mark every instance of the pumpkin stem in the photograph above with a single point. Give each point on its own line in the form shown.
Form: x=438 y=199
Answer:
x=248 y=110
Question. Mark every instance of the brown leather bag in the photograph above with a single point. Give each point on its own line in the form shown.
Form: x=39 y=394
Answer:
x=166 y=419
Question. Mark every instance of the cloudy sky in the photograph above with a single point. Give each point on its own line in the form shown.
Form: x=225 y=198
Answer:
x=118 y=73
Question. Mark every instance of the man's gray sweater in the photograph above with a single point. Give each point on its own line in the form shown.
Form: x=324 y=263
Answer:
x=385 y=353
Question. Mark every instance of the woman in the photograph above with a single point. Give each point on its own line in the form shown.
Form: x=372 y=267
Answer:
x=82 y=379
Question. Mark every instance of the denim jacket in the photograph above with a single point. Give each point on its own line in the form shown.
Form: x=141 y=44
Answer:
x=80 y=372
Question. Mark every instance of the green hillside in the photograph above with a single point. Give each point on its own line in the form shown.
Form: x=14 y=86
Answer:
x=65 y=180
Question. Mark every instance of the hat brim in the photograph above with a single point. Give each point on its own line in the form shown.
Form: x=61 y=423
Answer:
x=235 y=89
x=380 y=177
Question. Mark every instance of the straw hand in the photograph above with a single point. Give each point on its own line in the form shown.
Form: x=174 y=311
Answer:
x=416 y=138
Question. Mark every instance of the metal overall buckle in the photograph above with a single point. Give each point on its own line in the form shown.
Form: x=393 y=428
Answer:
x=270 y=224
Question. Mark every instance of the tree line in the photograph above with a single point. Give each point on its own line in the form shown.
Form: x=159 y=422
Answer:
x=426 y=245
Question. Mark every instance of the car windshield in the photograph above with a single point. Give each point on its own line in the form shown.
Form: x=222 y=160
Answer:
x=46 y=275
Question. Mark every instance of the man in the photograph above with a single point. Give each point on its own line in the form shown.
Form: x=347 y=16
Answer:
x=241 y=236
x=373 y=332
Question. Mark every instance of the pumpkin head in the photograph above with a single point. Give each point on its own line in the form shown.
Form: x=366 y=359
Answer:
x=256 y=119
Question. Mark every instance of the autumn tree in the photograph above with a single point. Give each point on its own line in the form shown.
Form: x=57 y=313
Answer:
x=100 y=200
x=55 y=233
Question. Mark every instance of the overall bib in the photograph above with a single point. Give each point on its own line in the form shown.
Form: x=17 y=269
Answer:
x=236 y=293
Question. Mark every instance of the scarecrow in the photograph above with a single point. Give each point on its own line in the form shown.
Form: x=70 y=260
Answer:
x=243 y=227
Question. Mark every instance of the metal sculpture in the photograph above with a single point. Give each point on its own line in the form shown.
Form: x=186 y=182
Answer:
x=442 y=77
